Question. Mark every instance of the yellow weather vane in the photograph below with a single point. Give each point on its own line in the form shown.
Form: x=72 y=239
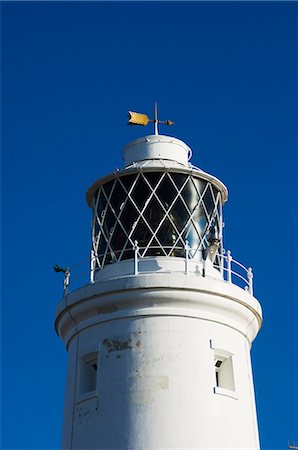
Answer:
x=135 y=118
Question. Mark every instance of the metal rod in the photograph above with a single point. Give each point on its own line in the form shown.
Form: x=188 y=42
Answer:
x=222 y=264
x=136 y=260
x=204 y=266
x=92 y=266
x=186 y=248
x=66 y=282
x=155 y=119
x=229 y=261
x=250 y=280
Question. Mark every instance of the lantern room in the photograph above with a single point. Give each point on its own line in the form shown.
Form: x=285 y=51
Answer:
x=160 y=202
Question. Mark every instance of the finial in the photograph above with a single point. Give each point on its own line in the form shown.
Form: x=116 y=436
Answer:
x=155 y=119
x=135 y=118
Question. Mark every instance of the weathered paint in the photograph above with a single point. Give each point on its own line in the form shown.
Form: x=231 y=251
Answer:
x=156 y=377
x=154 y=338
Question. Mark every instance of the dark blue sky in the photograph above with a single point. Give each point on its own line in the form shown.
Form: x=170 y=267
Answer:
x=226 y=74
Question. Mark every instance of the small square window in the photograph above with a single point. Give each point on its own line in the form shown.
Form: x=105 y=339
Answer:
x=88 y=373
x=224 y=374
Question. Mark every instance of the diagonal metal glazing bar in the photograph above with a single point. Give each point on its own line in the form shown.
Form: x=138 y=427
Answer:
x=100 y=221
x=191 y=214
x=129 y=198
x=212 y=193
x=208 y=217
x=95 y=248
x=97 y=245
x=216 y=200
x=106 y=252
x=117 y=217
x=179 y=239
x=128 y=241
x=141 y=214
x=218 y=218
x=102 y=217
x=108 y=198
x=218 y=214
x=95 y=219
x=191 y=219
x=108 y=239
x=167 y=214
x=214 y=212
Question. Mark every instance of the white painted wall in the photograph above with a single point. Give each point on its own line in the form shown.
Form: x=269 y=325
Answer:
x=155 y=336
x=157 y=147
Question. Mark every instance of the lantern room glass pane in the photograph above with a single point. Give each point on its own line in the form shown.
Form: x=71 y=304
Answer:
x=160 y=210
x=178 y=179
x=108 y=187
x=167 y=234
x=166 y=192
x=142 y=234
x=128 y=216
x=208 y=200
x=153 y=213
x=118 y=240
x=127 y=181
x=153 y=177
x=190 y=195
x=200 y=220
x=192 y=236
x=179 y=214
x=109 y=220
x=141 y=192
x=118 y=197
x=199 y=185
x=102 y=203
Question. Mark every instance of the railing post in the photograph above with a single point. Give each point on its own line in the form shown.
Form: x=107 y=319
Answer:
x=92 y=266
x=229 y=262
x=222 y=263
x=136 y=262
x=66 y=282
x=204 y=256
x=250 y=280
x=186 y=248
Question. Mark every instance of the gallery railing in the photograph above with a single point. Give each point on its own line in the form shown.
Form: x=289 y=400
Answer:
x=232 y=271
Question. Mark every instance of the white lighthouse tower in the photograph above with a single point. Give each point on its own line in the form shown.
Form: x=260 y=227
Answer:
x=159 y=339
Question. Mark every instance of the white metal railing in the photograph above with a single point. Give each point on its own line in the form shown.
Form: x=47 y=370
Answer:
x=231 y=270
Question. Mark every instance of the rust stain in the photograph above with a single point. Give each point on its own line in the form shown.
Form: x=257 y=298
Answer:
x=115 y=345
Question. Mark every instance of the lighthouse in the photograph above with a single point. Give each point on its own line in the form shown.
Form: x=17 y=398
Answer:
x=159 y=338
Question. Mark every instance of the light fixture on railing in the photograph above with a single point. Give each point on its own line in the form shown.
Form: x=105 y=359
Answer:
x=213 y=239
x=66 y=272
x=60 y=269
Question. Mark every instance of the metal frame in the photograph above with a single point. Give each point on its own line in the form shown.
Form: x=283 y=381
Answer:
x=230 y=269
x=98 y=222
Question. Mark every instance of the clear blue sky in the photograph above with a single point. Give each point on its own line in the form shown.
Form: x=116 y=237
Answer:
x=225 y=73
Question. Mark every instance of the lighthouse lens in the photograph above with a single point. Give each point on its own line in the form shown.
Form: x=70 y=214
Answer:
x=159 y=210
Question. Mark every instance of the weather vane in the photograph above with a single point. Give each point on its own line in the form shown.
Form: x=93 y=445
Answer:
x=135 y=118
